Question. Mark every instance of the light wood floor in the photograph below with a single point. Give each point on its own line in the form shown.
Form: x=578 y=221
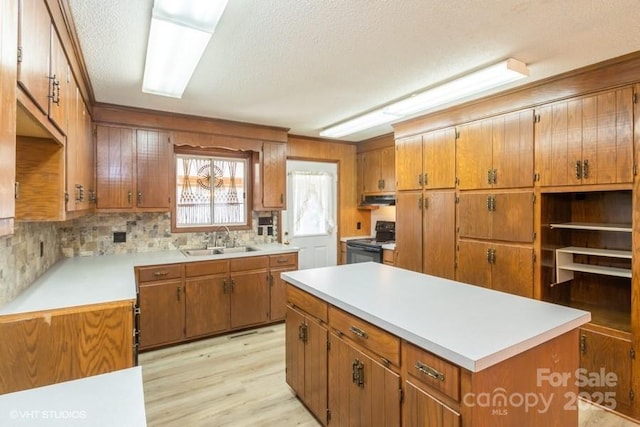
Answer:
x=238 y=380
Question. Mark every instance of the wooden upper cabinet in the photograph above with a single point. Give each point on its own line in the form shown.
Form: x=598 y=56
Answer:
x=34 y=49
x=496 y=216
x=409 y=163
x=439 y=155
x=586 y=140
x=474 y=155
x=154 y=153
x=496 y=152
x=8 y=41
x=59 y=84
x=114 y=167
x=80 y=161
x=134 y=168
x=270 y=177
x=378 y=168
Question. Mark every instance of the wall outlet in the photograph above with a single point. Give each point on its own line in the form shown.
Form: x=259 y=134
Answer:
x=119 y=237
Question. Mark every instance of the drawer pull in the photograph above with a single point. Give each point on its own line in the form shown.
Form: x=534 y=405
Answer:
x=429 y=371
x=359 y=332
x=160 y=273
x=282 y=261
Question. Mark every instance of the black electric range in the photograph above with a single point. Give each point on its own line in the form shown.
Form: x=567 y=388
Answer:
x=365 y=250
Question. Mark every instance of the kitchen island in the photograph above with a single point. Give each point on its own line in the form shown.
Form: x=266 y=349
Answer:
x=456 y=354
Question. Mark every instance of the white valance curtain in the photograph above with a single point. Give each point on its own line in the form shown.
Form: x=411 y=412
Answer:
x=312 y=203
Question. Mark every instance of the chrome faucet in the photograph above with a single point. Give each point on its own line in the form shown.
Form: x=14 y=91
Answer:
x=215 y=235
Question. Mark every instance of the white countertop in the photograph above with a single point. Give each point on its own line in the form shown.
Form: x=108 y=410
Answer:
x=470 y=326
x=99 y=279
x=113 y=399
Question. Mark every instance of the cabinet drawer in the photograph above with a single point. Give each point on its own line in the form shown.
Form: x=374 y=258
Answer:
x=283 y=260
x=432 y=371
x=248 y=263
x=307 y=303
x=160 y=272
x=205 y=268
x=367 y=335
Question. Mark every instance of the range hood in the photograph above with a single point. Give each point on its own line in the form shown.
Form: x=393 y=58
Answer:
x=379 y=200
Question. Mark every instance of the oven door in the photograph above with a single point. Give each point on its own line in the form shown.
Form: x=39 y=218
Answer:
x=357 y=254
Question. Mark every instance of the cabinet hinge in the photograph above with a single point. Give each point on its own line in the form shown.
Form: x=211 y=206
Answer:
x=536 y=118
x=635 y=98
x=635 y=169
x=19 y=54
x=16 y=190
x=457 y=199
x=632 y=353
x=328 y=345
x=632 y=395
x=328 y=416
x=535 y=235
x=457 y=132
x=401 y=396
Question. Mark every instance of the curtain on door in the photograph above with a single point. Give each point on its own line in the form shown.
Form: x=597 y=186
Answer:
x=312 y=196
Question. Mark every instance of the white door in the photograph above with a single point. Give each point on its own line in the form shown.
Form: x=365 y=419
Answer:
x=309 y=222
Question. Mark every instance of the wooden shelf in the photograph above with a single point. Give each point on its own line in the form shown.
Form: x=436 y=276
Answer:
x=565 y=266
x=625 y=228
x=606 y=317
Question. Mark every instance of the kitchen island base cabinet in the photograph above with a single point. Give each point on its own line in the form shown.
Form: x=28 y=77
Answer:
x=426 y=411
x=49 y=347
x=306 y=351
x=362 y=392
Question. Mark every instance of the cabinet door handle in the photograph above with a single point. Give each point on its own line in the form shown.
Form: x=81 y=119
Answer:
x=578 y=168
x=225 y=288
x=494 y=178
x=282 y=261
x=233 y=285
x=585 y=169
x=302 y=332
x=160 y=273
x=359 y=332
x=139 y=197
x=281 y=197
x=489 y=176
x=420 y=203
x=357 y=373
x=178 y=292
x=420 y=179
x=583 y=344
x=129 y=197
x=426 y=203
x=489 y=256
x=429 y=371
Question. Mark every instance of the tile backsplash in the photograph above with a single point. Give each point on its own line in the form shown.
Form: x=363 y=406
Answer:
x=144 y=232
x=93 y=235
x=23 y=259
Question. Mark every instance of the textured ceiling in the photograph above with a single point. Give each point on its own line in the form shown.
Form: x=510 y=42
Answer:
x=307 y=64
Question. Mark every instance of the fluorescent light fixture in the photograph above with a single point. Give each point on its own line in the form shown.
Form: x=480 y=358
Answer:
x=366 y=121
x=479 y=81
x=179 y=34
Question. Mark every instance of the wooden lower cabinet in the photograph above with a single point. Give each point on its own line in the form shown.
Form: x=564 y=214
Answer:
x=424 y=410
x=162 y=313
x=362 y=392
x=189 y=300
x=207 y=299
x=306 y=360
x=53 y=346
x=605 y=367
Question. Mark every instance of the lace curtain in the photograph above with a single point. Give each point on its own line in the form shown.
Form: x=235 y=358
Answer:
x=210 y=191
x=312 y=209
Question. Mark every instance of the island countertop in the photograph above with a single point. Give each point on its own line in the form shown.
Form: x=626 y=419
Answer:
x=113 y=399
x=99 y=279
x=470 y=326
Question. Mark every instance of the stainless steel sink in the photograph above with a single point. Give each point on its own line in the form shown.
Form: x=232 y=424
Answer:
x=217 y=251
